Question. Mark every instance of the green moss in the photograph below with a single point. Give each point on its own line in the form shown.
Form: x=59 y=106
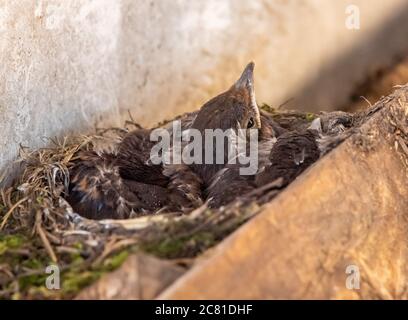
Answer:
x=37 y=280
x=78 y=245
x=73 y=279
x=165 y=248
x=76 y=279
x=33 y=263
x=40 y=293
x=3 y=248
x=115 y=261
x=73 y=282
x=203 y=239
x=76 y=258
x=37 y=263
x=180 y=247
x=310 y=116
x=10 y=242
x=267 y=108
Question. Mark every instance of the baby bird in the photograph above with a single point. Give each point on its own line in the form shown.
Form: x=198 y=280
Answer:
x=234 y=109
x=282 y=154
x=288 y=156
x=282 y=159
x=123 y=183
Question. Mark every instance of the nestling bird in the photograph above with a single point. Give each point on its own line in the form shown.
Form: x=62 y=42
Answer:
x=234 y=109
x=291 y=154
x=281 y=154
x=123 y=182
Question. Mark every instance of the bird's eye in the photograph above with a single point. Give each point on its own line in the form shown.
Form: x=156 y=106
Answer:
x=251 y=123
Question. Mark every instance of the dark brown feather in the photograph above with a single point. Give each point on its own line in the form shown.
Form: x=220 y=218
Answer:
x=292 y=153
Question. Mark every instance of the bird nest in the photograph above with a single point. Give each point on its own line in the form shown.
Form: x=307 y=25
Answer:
x=39 y=228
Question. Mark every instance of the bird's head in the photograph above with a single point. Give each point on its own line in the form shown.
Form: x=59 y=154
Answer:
x=234 y=109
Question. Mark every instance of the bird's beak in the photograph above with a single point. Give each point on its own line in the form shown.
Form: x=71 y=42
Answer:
x=246 y=82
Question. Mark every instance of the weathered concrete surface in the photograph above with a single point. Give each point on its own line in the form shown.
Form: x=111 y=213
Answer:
x=66 y=65
x=59 y=69
x=140 y=277
x=350 y=210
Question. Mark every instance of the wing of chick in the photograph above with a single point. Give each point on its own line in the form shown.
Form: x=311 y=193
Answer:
x=98 y=191
x=292 y=153
x=125 y=183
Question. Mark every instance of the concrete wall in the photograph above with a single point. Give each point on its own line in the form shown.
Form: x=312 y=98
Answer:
x=67 y=65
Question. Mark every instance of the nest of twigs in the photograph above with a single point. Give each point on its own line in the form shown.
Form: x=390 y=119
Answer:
x=39 y=228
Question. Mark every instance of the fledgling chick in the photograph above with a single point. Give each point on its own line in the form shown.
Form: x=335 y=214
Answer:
x=234 y=109
x=291 y=154
x=123 y=183
x=284 y=159
x=282 y=154
x=333 y=128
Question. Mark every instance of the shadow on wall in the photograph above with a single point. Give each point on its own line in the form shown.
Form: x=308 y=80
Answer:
x=320 y=93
